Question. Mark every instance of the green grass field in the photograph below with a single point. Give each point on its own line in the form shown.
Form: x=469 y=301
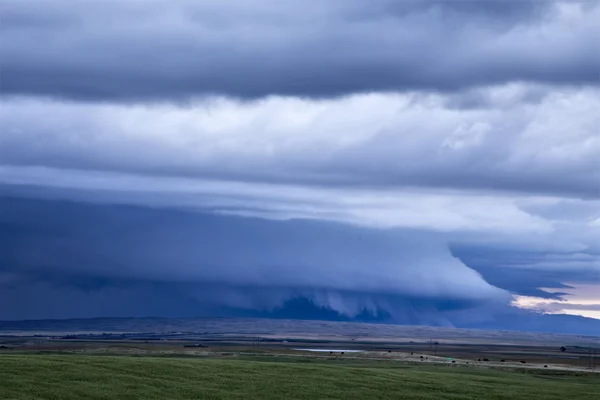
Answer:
x=108 y=377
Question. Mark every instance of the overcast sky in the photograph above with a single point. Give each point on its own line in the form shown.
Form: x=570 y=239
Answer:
x=426 y=160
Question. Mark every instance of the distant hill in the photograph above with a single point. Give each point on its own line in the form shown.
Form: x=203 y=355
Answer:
x=283 y=328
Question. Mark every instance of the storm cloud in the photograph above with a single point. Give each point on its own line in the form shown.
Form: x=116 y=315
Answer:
x=228 y=261
x=422 y=162
x=177 y=50
x=550 y=147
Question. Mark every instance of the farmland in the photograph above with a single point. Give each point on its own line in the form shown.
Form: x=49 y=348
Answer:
x=235 y=359
x=106 y=377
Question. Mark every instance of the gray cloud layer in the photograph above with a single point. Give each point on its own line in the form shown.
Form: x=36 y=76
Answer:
x=220 y=155
x=550 y=146
x=176 y=246
x=65 y=259
x=177 y=49
x=248 y=263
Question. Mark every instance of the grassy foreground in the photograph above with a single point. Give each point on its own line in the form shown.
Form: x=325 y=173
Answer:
x=107 y=377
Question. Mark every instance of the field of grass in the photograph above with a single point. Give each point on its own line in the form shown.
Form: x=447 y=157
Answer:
x=32 y=376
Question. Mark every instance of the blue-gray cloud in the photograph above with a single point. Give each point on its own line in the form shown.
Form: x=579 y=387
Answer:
x=369 y=142
x=124 y=51
x=182 y=246
x=66 y=259
x=235 y=262
x=343 y=160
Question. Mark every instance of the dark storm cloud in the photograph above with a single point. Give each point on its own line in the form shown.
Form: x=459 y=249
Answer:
x=519 y=273
x=123 y=51
x=128 y=242
x=527 y=282
x=91 y=251
x=79 y=296
x=418 y=168
x=61 y=259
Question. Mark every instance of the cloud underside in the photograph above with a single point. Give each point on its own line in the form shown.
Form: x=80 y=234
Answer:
x=409 y=191
x=505 y=141
x=181 y=49
x=422 y=161
x=222 y=261
x=186 y=263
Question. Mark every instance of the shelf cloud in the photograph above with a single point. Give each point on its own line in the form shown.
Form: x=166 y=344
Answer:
x=424 y=162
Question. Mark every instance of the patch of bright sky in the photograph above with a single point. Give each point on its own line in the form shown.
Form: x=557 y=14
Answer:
x=582 y=299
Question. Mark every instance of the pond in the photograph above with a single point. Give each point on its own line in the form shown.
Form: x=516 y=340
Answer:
x=332 y=350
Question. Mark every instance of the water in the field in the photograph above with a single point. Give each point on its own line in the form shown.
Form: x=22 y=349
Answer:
x=332 y=350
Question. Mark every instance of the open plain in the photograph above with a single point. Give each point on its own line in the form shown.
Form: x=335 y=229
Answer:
x=247 y=358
